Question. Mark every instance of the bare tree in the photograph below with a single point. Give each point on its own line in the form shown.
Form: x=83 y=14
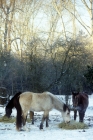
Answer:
x=89 y=7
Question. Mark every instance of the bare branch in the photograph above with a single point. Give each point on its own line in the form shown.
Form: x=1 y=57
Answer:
x=88 y=9
x=17 y=39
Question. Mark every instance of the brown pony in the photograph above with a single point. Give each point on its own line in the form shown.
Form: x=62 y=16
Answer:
x=13 y=104
x=46 y=101
x=80 y=104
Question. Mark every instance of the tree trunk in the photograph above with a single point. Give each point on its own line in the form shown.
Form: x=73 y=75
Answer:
x=6 y=30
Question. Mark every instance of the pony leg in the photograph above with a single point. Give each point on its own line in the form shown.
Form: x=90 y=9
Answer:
x=45 y=116
x=75 y=114
x=32 y=116
x=41 y=124
x=81 y=116
x=24 y=121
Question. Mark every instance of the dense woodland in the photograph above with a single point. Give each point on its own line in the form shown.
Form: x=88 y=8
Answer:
x=46 y=45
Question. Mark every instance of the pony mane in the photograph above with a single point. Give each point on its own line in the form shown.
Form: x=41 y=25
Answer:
x=58 y=103
x=11 y=102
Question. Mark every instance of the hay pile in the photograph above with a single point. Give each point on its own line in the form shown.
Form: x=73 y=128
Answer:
x=5 y=119
x=73 y=125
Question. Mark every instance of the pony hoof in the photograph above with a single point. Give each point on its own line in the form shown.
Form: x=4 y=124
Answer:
x=32 y=123
x=18 y=129
x=41 y=127
x=26 y=129
x=22 y=130
x=80 y=120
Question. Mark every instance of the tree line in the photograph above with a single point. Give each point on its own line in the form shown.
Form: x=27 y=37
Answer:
x=57 y=69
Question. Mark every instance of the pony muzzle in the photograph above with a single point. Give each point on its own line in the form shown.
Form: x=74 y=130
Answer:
x=68 y=122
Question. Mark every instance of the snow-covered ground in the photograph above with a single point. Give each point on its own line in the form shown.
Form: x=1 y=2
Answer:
x=53 y=132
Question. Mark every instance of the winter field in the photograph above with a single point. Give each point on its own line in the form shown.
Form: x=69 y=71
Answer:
x=53 y=132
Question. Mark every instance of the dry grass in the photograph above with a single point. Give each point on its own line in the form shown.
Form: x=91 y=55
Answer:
x=5 y=119
x=73 y=125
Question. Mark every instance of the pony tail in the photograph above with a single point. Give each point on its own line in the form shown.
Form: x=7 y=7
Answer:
x=19 y=115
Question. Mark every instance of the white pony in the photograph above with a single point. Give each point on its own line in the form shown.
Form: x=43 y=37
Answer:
x=46 y=101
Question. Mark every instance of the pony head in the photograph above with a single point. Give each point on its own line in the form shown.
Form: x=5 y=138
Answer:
x=66 y=114
x=75 y=98
x=8 y=112
x=75 y=101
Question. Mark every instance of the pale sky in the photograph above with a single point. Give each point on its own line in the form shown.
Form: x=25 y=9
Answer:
x=42 y=21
